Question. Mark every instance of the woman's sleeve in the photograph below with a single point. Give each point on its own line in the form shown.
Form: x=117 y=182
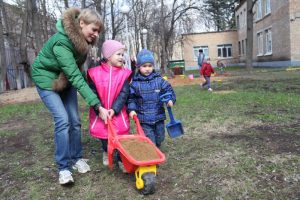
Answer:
x=66 y=60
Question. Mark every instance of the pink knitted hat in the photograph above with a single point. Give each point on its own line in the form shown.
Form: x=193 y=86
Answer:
x=109 y=47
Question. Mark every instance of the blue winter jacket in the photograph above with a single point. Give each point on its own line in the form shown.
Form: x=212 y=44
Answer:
x=144 y=97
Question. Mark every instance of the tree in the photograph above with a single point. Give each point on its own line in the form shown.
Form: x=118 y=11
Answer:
x=170 y=17
x=221 y=13
x=249 y=43
x=2 y=52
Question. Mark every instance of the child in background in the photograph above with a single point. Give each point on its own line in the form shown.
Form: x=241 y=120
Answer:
x=146 y=88
x=206 y=71
x=110 y=81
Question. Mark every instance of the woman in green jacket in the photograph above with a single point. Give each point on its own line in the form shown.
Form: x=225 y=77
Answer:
x=56 y=71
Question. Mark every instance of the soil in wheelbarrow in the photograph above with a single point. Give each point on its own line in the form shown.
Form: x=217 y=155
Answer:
x=139 y=150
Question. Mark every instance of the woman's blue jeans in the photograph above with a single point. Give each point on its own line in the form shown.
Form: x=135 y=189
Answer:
x=67 y=132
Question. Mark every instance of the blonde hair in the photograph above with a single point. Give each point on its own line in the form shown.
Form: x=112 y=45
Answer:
x=90 y=16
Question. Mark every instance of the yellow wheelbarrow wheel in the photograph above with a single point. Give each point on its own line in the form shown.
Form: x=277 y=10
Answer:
x=146 y=179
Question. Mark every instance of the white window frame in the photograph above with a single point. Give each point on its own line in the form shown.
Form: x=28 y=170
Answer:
x=260 y=43
x=258 y=10
x=196 y=51
x=221 y=47
x=267 y=7
x=268 y=40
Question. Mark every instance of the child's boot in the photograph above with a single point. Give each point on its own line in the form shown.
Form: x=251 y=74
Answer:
x=105 y=159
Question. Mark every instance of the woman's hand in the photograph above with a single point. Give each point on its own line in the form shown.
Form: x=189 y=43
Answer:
x=104 y=114
x=111 y=113
x=132 y=113
x=170 y=103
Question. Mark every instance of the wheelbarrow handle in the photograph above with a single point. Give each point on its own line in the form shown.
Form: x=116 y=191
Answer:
x=139 y=129
x=111 y=130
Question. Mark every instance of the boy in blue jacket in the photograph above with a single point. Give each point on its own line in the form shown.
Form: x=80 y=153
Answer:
x=146 y=88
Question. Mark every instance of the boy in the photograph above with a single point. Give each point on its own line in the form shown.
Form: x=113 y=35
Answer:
x=206 y=71
x=146 y=88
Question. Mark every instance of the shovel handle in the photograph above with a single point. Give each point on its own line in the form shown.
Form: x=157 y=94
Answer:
x=171 y=114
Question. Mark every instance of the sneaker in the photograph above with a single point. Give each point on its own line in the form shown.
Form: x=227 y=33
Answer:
x=105 y=159
x=81 y=166
x=209 y=89
x=121 y=166
x=65 y=177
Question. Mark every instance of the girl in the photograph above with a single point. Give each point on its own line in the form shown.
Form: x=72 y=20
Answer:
x=56 y=72
x=110 y=81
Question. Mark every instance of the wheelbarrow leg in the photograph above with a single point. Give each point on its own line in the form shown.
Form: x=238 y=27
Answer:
x=146 y=179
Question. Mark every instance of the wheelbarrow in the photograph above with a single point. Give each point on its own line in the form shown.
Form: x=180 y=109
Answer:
x=138 y=154
x=174 y=127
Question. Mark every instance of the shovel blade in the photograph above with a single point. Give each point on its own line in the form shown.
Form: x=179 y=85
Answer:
x=175 y=129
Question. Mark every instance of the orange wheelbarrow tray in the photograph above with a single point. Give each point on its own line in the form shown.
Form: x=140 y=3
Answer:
x=145 y=170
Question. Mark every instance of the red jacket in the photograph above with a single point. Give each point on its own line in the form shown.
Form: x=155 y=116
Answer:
x=207 y=69
x=109 y=82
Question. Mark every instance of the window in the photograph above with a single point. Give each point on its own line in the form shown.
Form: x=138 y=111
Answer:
x=238 y=22
x=225 y=50
x=268 y=34
x=260 y=44
x=240 y=48
x=258 y=10
x=243 y=47
x=267 y=7
x=196 y=51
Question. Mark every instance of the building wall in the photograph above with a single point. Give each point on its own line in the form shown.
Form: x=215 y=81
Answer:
x=295 y=31
x=241 y=12
x=212 y=40
x=278 y=20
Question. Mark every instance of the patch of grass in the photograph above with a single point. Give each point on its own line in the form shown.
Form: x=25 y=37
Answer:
x=241 y=142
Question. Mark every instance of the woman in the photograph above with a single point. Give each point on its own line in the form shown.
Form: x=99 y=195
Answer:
x=56 y=71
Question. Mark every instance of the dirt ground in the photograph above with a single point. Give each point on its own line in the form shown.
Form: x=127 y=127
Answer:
x=30 y=94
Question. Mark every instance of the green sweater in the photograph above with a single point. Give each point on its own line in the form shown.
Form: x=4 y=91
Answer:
x=59 y=55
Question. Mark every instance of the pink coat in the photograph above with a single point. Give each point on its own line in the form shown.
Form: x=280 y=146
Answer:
x=109 y=82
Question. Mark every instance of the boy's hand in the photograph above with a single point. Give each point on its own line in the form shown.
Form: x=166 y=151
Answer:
x=170 y=103
x=132 y=113
x=111 y=113
x=103 y=113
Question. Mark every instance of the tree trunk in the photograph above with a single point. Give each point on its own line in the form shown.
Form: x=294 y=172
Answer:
x=2 y=53
x=249 y=43
x=32 y=8
x=23 y=38
x=83 y=4
x=163 y=66
x=44 y=21
x=66 y=4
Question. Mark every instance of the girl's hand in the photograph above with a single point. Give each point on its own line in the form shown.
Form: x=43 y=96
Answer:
x=170 y=103
x=103 y=113
x=111 y=113
x=132 y=113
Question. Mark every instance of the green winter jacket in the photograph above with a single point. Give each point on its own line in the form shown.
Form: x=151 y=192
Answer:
x=65 y=52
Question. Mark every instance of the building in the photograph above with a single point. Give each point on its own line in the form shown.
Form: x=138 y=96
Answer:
x=276 y=37
x=276 y=32
x=215 y=45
